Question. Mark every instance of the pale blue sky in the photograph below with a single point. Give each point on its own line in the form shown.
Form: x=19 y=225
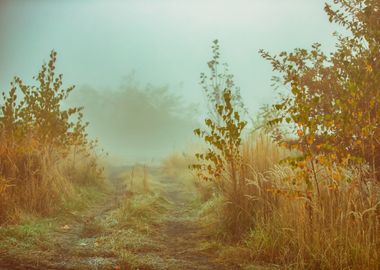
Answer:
x=164 y=41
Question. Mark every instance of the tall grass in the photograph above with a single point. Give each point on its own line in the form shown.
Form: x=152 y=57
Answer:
x=176 y=167
x=283 y=221
x=40 y=180
x=44 y=150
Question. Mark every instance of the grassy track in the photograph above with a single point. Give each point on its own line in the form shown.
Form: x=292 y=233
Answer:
x=157 y=229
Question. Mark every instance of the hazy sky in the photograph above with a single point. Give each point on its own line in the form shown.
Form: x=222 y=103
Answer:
x=163 y=41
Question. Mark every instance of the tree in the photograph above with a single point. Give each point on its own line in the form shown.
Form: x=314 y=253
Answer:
x=40 y=111
x=333 y=107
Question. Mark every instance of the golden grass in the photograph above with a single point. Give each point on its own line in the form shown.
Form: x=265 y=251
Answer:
x=278 y=222
x=39 y=180
x=176 y=167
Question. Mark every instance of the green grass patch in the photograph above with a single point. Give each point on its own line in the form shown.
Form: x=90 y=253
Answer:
x=85 y=197
x=139 y=211
x=31 y=233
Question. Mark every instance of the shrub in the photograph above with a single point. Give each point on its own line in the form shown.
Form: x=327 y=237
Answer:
x=36 y=137
x=333 y=107
x=222 y=162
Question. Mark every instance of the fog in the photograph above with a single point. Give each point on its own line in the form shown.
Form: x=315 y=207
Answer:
x=137 y=122
x=167 y=44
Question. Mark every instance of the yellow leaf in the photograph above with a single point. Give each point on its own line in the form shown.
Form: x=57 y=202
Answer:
x=358 y=142
x=284 y=144
x=372 y=103
x=322 y=160
x=336 y=176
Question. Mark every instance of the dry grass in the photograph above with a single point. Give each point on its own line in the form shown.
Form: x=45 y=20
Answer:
x=40 y=142
x=176 y=167
x=337 y=230
x=39 y=179
x=136 y=180
x=340 y=231
x=280 y=223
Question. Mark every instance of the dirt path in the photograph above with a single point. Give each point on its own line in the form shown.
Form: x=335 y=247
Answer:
x=182 y=234
x=71 y=244
x=74 y=244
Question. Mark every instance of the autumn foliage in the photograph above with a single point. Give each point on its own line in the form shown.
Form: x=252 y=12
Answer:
x=309 y=179
x=37 y=135
x=222 y=162
x=333 y=108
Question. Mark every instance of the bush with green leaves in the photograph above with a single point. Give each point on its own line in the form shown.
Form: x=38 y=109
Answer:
x=222 y=162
